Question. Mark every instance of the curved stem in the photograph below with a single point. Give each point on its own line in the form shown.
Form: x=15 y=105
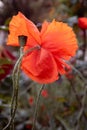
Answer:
x=84 y=45
x=14 y=103
x=36 y=106
x=15 y=78
x=83 y=104
x=78 y=72
x=16 y=94
x=14 y=75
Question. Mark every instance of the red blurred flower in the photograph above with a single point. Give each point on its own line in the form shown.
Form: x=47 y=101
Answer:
x=28 y=127
x=4 y=53
x=44 y=93
x=57 y=43
x=82 y=22
x=31 y=101
x=6 y=62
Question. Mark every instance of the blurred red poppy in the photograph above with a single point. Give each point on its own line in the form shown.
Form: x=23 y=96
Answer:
x=6 y=62
x=44 y=93
x=57 y=43
x=31 y=101
x=28 y=127
x=82 y=22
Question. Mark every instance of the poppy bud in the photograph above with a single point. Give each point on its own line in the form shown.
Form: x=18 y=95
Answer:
x=82 y=22
x=22 y=40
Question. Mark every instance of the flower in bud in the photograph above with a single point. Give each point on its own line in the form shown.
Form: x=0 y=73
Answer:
x=22 y=40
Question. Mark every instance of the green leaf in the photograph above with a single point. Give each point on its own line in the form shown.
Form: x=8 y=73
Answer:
x=7 y=21
x=61 y=99
x=5 y=61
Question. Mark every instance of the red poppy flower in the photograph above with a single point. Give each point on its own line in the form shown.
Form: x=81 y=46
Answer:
x=57 y=43
x=82 y=22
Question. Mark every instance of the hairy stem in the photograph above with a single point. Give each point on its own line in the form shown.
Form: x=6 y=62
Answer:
x=79 y=102
x=78 y=72
x=82 y=107
x=15 y=79
x=36 y=106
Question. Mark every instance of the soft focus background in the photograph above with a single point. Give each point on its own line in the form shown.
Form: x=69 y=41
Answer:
x=62 y=102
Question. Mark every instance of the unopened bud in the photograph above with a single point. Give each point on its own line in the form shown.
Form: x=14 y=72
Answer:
x=22 y=40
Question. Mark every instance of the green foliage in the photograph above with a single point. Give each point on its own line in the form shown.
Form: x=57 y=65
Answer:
x=4 y=61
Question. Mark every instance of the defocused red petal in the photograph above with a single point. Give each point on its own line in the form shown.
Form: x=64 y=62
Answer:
x=20 y=25
x=6 y=56
x=82 y=22
x=29 y=126
x=40 y=66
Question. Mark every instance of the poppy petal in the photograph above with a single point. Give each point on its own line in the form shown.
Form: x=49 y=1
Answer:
x=61 y=65
x=20 y=25
x=44 y=27
x=60 y=40
x=40 y=66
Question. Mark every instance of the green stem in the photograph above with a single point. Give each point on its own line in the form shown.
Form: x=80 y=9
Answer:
x=36 y=106
x=15 y=101
x=79 y=101
x=15 y=78
x=84 y=45
x=77 y=71
x=83 y=104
